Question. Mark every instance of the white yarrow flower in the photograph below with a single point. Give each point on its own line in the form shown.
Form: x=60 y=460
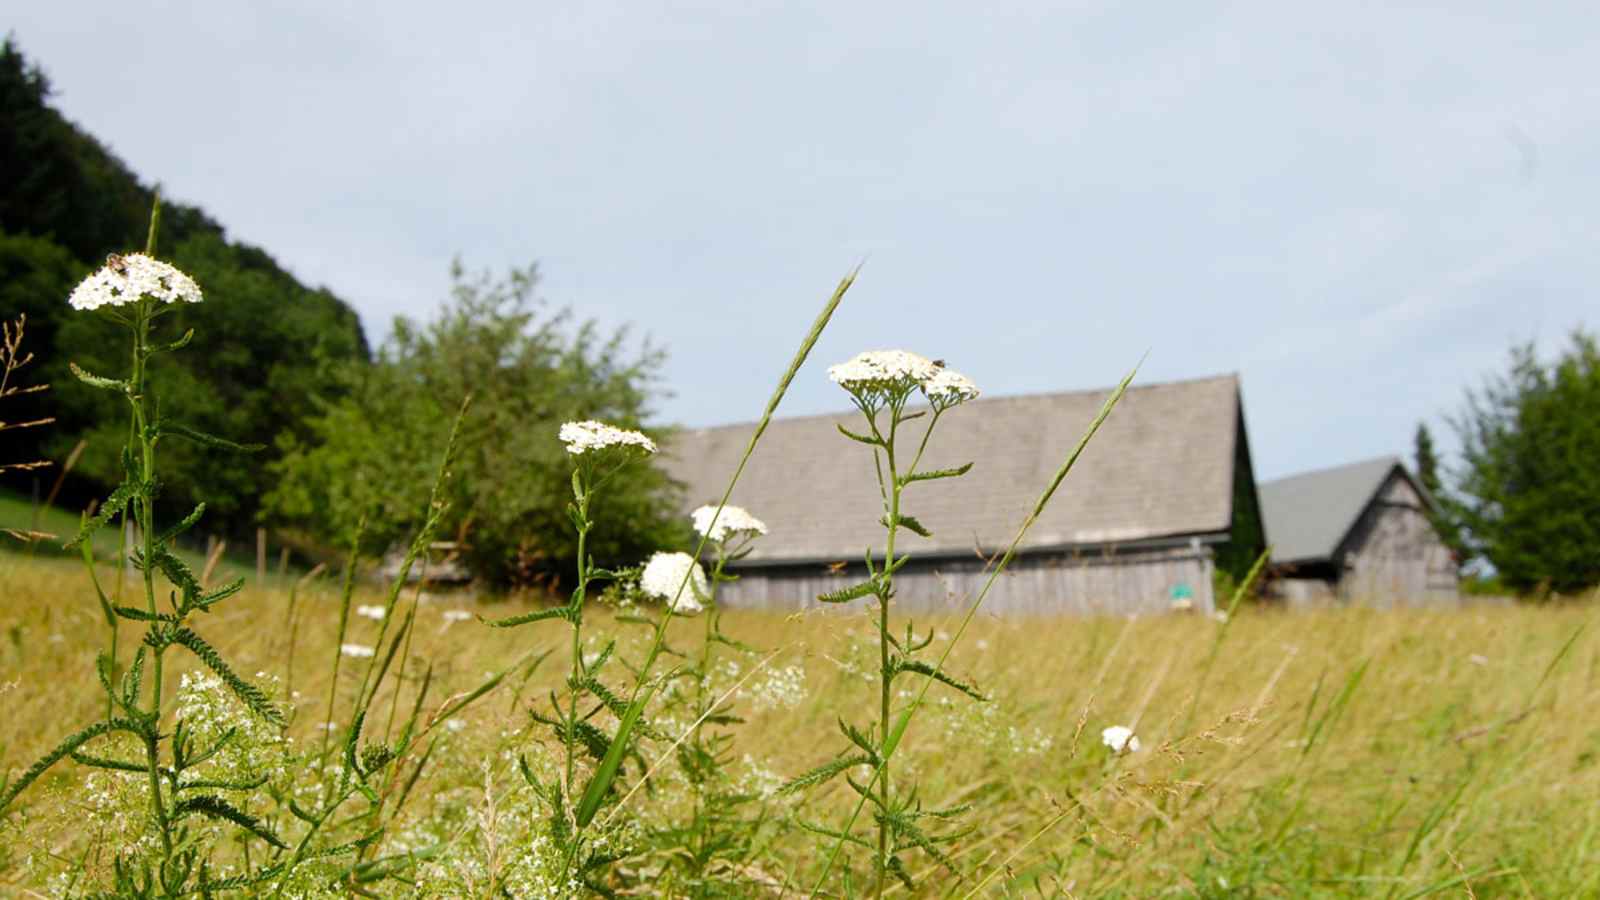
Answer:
x=666 y=573
x=370 y=612
x=356 y=651
x=581 y=437
x=877 y=370
x=457 y=615
x=1121 y=739
x=734 y=521
x=948 y=387
x=125 y=279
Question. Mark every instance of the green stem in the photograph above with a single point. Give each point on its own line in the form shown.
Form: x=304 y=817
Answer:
x=884 y=681
x=702 y=704
x=571 y=731
x=145 y=518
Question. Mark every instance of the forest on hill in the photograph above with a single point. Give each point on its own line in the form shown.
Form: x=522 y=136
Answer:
x=270 y=345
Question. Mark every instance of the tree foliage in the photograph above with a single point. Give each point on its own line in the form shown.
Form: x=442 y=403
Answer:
x=68 y=203
x=529 y=368
x=1528 y=494
x=1428 y=473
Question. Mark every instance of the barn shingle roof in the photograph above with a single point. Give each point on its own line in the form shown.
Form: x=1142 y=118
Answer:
x=1161 y=466
x=1308 y=515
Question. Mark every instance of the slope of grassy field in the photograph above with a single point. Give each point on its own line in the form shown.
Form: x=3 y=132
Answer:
x=1345 y=753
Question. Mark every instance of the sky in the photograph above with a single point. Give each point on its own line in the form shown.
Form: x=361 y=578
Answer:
x=1357 y=207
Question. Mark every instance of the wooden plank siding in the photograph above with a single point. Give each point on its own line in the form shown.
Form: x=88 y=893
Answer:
x=1109 y=582
x=1394 y=556
x=1389 y=555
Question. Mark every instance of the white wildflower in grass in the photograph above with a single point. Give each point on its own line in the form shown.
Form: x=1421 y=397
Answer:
x=760 y=780
x=248 y=745
x=783 y=688
x=676 y=578
x=947 y=387
x=886 y=372
x=584 y=437
x=356 y=651
x=126 y=279
x=376 y=613
x=1120 y=738
x=734 y=521
x=457 y=615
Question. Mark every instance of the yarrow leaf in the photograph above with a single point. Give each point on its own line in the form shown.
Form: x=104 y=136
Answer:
x=956 y=472
x=909 y=523
x=252 y=696
x=178 y=429
x=869 y=441
x=213 y=807
x=922 y=668
x=113 y=504
x=69 y=744
x=825 y=772
x=555 y=612
x=854 y=591
x=104 y=384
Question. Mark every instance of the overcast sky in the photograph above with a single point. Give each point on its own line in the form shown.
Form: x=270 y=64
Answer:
x=1357 y=208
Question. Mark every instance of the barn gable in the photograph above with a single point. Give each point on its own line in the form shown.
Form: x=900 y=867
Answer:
x=1309 y=515
x=1360 y=532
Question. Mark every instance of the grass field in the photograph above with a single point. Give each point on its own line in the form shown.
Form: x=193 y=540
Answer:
x=1346 y=753
x=20 y=512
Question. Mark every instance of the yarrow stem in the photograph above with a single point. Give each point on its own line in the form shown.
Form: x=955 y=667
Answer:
x=998 y=569
x=137 y=396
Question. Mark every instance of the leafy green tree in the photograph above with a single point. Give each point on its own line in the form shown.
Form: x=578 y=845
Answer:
x=1427 y=463
x=1528 y=495
x=528 y=369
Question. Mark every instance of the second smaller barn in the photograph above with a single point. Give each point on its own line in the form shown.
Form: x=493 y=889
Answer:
x=1356 y=534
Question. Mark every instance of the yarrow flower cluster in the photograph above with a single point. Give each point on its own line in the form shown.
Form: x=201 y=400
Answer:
x=582 y=437
x=375 y=613
x=665 y=573
x=126 y=279
x=357 y=651
x=896 y=372
x=735 y=521
x=883 y=370
x=949 y=387
x=1120 y=738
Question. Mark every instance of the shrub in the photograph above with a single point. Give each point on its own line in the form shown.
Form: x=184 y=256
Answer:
x=529 y=368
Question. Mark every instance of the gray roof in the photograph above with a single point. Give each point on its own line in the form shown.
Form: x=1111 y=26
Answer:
x=1161 y=466
x=1308 y=515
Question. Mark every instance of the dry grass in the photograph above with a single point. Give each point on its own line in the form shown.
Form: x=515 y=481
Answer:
x=1449 y=764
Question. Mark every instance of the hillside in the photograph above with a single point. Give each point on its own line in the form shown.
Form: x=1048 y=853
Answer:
x=271 y=341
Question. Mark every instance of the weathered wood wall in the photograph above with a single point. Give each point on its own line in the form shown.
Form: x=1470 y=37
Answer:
x=1102 y=583
x=1394 y=556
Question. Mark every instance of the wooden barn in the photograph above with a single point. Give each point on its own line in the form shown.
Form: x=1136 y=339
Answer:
x=1162 y=497
x=1359 y=533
